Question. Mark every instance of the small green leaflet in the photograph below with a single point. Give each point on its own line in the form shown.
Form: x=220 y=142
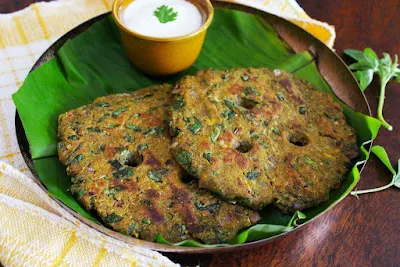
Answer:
x=380 y=152
x=196 y=126
x=165 y=14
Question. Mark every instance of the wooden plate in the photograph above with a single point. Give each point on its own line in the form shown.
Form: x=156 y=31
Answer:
x=330 y=65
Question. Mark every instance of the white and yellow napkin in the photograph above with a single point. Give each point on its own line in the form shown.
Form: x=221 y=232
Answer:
x=34 y=229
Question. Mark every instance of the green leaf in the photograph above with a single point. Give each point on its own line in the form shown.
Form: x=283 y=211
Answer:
x=298 y=215
x=386 y=61
x=253 y=175
x=116 y=113
x=158 y=174
x=215 y=133
x=370 y=54
x=365 y=78
x=196 y=126
x=112 y=218
x=361 y=65
x=398 y=78
x=184 y=157
x=355 y=54
x=165 y=14
x=380 y=152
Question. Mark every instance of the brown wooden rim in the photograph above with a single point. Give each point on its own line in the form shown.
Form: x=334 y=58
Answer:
x=330 y=65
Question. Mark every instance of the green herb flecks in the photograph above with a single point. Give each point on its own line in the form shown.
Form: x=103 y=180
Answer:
x=112 y=218
x=115 y=164
x=144 y=96
x=129 y=138
x=153 y=109
x=158 y=174
x=99 y=150
x=133 y=127
x=73 y=137
x=207 y=155
x=116 y=113
x=76 y=159
x=112 y=126
x=173 y=131
x=142 y=147
x=184 y=157
x=123 y=173
x=228 y=114
x=165 y=14
x=215 y=133
x=146 y=220
x=154 y=131
x=169 y=216
x=196 y=126
x=81 y=192
x=276 y=131
x=252 y=175
x=102 y=104
x=131 y=228
x=308 y=160
x=250 y=91
x=380 y=152
x=211 y=207
x=303 y=109
x=230 y=104
x=94 y=130
x=280 y=96
x=178 y=104
x=105 y=116
x=110 y=191
x=369 y=64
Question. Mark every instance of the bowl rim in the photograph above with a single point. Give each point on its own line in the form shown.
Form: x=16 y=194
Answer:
x=116 y=7
x=24 y=147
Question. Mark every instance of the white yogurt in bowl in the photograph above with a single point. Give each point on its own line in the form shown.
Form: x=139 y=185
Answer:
x=162 y=18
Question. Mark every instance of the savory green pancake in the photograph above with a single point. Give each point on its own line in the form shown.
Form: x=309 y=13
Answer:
x=117 y=152
x=258 y=137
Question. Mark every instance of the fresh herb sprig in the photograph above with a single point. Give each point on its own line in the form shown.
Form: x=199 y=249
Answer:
x=165 y=14
x=369 y=64
x=382 y=155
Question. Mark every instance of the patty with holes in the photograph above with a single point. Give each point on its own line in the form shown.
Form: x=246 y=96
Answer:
x=117 y=152
x=261 y=137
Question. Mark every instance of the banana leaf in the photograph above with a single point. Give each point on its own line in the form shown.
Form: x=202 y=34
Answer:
x=94 y=64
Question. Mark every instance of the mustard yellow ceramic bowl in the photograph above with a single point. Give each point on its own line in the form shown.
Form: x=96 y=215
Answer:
x=163 y=56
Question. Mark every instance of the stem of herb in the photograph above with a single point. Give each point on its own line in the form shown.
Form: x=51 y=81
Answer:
x=355 y=193
x=380 y=105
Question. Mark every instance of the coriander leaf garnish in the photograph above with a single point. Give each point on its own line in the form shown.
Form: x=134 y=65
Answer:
x=165 y=14
x=369 y=64
x=382 y=155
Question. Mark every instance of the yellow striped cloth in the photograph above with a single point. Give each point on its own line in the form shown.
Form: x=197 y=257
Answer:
x=34 y=229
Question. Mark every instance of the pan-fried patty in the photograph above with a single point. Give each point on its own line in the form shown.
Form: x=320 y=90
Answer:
x=261 y=137
x=117 y=152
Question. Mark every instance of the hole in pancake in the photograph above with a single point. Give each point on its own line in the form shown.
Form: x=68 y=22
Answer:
x=130 y=158
x=243 y=146
x=187 y=178
x=299 y=139
x=247 y=103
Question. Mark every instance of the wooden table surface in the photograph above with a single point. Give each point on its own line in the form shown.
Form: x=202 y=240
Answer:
x=357 y=232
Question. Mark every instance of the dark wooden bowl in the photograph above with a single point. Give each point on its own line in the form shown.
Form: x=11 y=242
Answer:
x=330 y=65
